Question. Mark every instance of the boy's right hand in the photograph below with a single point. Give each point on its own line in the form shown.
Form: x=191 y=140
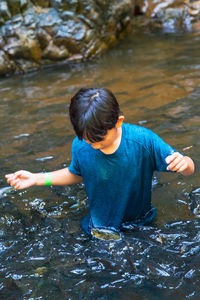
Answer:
x=21 y=179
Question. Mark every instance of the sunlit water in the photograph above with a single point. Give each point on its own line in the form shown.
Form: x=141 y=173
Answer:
x=44 y=252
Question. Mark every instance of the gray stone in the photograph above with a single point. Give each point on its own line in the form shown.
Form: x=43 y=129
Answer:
x=25 y=45
x=30 y=17
x=8 y=30
x=49 y=18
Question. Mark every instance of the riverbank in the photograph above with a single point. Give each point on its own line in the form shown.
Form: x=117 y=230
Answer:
x=40 y=33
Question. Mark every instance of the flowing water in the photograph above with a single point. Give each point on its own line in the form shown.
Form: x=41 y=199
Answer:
x=44 y=254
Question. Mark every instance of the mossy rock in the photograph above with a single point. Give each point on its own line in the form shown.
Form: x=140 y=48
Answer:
x=14 y=6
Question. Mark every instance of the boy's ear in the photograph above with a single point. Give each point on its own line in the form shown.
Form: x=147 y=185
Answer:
x=120 y=121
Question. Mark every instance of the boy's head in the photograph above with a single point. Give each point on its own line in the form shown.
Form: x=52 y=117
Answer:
x=93 y=111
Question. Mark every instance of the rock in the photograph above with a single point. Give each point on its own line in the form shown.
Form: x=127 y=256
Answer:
x=30 y=18
x=70 y=34
x=41 y=271
x=53 y=52
x=10 y=290
x=195 y=202
x=59 y=4
x=18 y=20
x=43 y=37
x=47 y=31
x=14 y=6
x=2 y=43
x=25 y=45
x=42 y=3
x=49 y=18
x=105 y=234
x=8 y=30
x=172 y=18
x=7 y=66
x=75 y=57
x=25 y=65
x=4 y=11
x=50 y=31
x=170 y=15
x=23 y=4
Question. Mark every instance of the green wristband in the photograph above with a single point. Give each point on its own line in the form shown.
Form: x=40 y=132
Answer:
x=47 y=179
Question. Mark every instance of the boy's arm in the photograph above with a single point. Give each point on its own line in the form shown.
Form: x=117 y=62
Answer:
x=181 y=164
x=24 y=179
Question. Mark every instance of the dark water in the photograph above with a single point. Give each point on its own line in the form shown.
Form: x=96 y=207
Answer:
x=44 y=254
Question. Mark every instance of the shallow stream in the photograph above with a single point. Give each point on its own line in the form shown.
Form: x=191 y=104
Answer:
x=44 y=254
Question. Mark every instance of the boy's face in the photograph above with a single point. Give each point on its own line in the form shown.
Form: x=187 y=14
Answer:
x=109 y=140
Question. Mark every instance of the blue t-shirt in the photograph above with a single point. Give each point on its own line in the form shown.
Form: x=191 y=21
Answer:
x=118 y=185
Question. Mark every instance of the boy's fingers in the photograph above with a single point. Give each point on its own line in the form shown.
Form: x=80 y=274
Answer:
x=14 y=182
x=182 y=169
x=19 y=173
x=19 y=180
x=176 y=167
x=18 y=186
x=14 y=177
x=171 y=157
x=175 y=162
x=179 y=167
x=9 y=176
x=174 y=159
x=21 y=185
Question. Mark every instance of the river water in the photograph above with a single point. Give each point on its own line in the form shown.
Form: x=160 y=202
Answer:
x=44 y=254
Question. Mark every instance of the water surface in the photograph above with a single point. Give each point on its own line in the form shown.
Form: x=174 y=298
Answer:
x=44 y=252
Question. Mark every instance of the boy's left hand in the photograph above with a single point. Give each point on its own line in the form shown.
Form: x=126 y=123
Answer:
x=179 y=163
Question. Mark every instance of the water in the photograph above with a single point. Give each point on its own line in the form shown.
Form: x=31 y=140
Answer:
x=44 y=252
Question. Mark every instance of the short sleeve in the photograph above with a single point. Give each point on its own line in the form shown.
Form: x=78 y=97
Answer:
x=160 y=150
x=74 y=166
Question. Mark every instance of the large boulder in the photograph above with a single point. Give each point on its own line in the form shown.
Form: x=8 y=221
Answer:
x=42 y=32
x=35 y=33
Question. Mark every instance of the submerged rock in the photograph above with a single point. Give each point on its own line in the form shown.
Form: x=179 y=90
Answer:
x=195 y=202
x=41 y=271
x=105 y=234
x=10 y=290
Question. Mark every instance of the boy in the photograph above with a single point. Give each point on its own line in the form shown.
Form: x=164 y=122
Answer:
x=114 y=160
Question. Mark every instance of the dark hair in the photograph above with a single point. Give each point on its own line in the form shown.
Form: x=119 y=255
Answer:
x=93 y=111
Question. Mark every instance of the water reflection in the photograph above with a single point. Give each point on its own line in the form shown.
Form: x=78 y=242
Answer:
x=44 y=253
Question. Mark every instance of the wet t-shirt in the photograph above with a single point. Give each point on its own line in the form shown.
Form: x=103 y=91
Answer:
x=118 y=185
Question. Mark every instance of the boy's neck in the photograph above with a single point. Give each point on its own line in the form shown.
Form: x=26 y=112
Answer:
x=115 y=144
